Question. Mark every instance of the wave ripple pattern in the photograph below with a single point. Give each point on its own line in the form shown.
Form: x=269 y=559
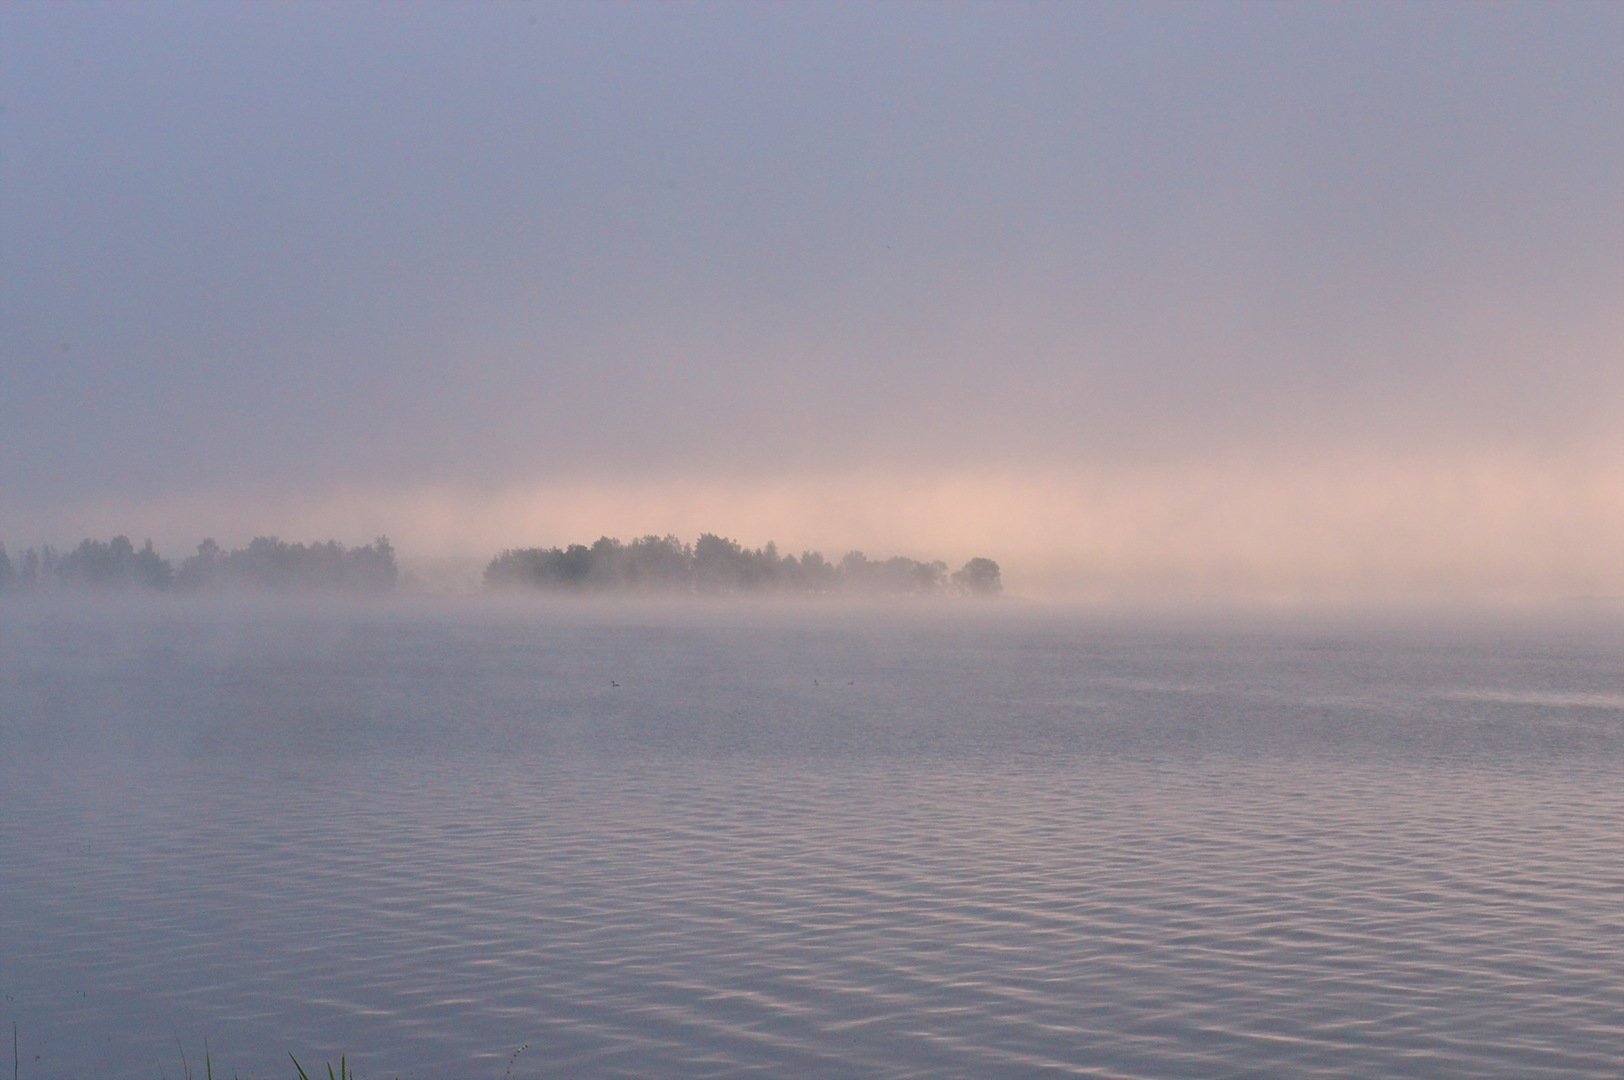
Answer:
x=810 y=844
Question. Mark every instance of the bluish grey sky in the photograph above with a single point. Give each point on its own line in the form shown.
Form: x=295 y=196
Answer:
x=1232 y=287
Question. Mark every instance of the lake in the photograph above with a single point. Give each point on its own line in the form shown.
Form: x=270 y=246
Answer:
x=715 y=840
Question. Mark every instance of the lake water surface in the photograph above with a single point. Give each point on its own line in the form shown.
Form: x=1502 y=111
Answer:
x=947 y=841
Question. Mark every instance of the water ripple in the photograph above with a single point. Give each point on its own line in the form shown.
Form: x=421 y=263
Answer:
x=1023 y=851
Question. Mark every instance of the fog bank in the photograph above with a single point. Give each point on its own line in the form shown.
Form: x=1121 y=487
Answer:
x=1325 y=528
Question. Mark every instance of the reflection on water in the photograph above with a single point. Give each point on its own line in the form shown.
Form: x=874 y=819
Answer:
x=1547 y=699
x=811 y=843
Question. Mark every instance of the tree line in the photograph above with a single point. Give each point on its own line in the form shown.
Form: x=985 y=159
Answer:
x=711 y=565
x=266 y=564
x=715 y=564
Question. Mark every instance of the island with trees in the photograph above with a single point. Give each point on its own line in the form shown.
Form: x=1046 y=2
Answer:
x=715 y=565
x=710 y=566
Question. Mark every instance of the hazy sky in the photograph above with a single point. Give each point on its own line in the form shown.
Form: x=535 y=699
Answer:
x=1292 y=299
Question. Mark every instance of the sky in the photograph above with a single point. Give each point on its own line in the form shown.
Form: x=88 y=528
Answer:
x=1287 y=301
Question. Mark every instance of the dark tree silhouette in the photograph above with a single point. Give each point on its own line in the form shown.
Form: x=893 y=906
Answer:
x=115 y=563
x=38 y=567
x=716 y=565
x=271 y=565
x=979 y=577
x=266 y=564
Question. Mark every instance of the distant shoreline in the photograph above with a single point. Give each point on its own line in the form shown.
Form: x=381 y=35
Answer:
x=647 y=566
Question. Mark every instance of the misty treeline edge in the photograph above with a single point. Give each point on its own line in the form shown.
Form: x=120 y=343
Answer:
x=715 y=564
x=711 y=565
x=267 y=563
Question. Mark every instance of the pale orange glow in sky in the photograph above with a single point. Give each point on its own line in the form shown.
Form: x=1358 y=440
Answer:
x=1323 y=529
x=1168 y=300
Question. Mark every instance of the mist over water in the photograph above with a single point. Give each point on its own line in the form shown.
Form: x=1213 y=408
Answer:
x=704 y=839
x=1264 y=358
